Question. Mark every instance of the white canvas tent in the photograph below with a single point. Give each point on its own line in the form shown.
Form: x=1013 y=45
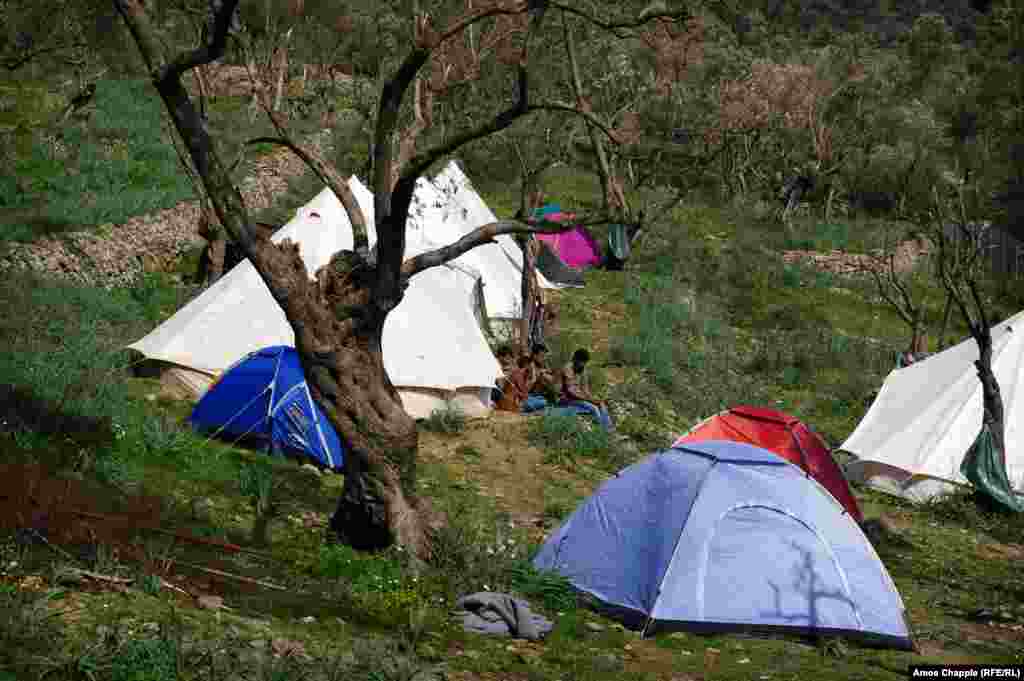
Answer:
x=433 y=346
x=463 y=211
x=432 y=220
x=927 y=415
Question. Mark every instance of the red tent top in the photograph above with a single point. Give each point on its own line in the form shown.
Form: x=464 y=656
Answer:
x=784 y=435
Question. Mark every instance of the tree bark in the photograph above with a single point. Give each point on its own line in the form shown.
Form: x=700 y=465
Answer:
x=945 y=322
x=992 y=398
x=918 y=338
x=528 y=291
x=957 y=270
x=211 y=265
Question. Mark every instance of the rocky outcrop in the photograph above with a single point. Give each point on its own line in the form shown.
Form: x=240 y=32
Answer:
x=116 y=255
x=841 y=262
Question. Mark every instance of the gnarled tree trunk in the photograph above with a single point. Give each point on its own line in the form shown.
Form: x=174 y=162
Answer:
x=338 y=331
x=991 y=397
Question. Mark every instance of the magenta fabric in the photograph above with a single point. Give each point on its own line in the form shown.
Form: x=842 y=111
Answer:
x=576 y=248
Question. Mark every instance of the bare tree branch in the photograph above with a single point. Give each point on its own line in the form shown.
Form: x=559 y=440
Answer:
x=227 y=200
x=324 y=171
x=604 y=171
x=327 y=174
x=394 y=91
x=481 y=235
x=391 y=242
x=424 y=160
x=204 y=54
x=616 y=27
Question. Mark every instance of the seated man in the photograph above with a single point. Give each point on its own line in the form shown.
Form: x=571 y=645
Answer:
x=576 y=391
x=512 y=389
x=504 y=356
x=537 y=377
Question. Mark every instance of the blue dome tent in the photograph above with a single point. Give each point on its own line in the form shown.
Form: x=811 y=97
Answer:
x=264 y=397
x=720 y=536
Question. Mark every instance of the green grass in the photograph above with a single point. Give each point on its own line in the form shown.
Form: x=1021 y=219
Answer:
x=390 y=611
x=115 y=161
x=567 y=438
x=706 y=316
x=116 y=166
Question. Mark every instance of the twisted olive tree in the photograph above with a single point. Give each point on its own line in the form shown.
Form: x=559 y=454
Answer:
x=338 y=316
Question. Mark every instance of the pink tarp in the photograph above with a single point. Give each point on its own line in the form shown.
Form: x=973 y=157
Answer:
x=576 y=247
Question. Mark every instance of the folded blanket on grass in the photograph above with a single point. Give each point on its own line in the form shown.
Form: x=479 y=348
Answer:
x=501 y=615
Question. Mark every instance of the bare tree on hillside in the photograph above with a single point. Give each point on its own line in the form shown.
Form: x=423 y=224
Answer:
x=960 y=262
x=902 y=286
x=626 y=163
x=338 y=317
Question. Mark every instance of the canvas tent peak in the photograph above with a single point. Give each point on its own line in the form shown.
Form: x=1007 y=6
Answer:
x=784 y=435
x=469 y=211
x=436 y=219
x=927 y=415
x=434 y=324
x=721 y=536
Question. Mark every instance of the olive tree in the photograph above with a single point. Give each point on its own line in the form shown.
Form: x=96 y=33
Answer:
x=338 y=316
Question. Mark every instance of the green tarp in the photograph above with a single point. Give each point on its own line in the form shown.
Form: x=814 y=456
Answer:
x=985 y=466
x=618 y=242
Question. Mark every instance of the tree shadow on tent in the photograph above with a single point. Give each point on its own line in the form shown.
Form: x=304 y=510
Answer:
x=808 y=623
x=807 y=581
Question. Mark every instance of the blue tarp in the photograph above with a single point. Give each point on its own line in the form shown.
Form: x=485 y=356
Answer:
x=720 y=536
x=265 y=396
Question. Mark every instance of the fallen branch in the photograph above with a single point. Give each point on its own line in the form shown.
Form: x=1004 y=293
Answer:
x=229 y=575
x=110 y=579
x=173 y=587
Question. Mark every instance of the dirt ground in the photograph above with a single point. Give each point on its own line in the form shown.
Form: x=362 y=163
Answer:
x=516 y=479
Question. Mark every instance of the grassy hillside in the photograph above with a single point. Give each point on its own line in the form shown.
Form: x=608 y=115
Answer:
x=708 y=315
x=132 y=548
x=111 y=159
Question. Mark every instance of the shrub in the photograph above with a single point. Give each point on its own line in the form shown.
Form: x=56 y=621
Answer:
x=550 y=589
x=474 y=550
x=790 y=276
x=154 y=659
x=449 y=420
x=27 y=631
x=566 y=437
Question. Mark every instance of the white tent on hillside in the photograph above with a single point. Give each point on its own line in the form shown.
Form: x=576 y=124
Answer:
x=466 y=210
x=927 y=415
x=432 y=220
x=434 y=349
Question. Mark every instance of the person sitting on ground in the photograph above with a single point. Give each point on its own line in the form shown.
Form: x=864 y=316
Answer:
x=538 y=379
x=513 y=387
x=576 y=393
x=504 y=356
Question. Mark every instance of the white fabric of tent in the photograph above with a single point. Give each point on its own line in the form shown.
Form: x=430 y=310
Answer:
x=433 y=346
x=927 y=415
x=463 y=211
x=435 y=221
